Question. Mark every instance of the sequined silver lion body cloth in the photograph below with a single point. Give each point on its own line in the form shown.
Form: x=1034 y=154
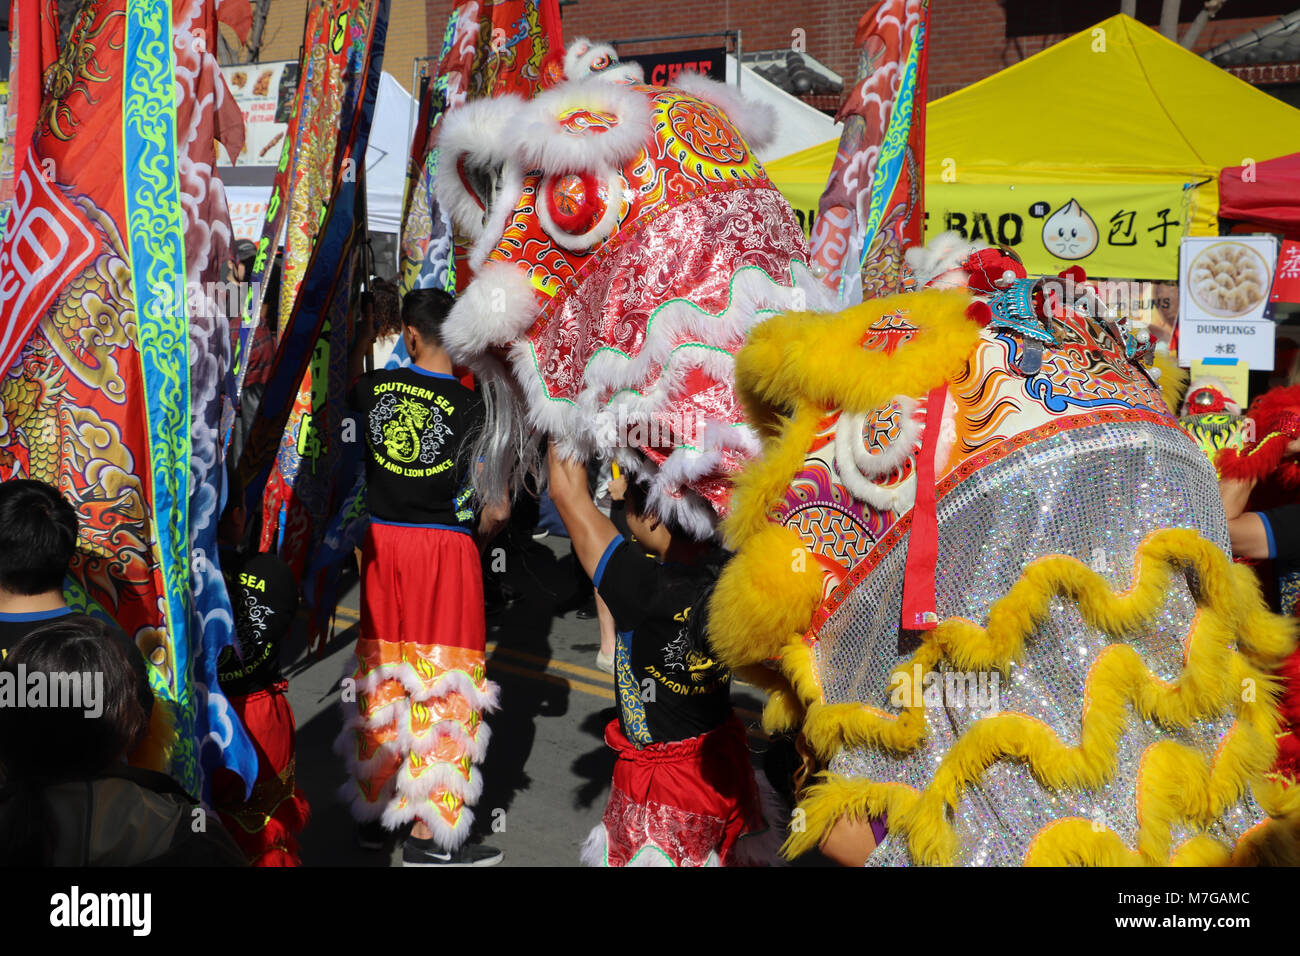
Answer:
x=1095 y=686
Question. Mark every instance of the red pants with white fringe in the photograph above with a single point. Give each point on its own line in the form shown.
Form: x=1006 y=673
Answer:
x=683 y=803
x=415 y=732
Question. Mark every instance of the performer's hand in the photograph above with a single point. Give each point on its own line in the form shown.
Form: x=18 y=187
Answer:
x=568 y=478
x=1235 y=493
x=618 y=488
x=493 y=518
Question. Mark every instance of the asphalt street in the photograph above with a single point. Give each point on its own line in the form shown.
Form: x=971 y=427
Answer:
x=546 y=775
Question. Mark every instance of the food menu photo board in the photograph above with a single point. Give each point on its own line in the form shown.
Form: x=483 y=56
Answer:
x=264 y=92
x=1224 y=284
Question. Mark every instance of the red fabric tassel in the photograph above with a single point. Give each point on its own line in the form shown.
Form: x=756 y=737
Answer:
x=919 y=612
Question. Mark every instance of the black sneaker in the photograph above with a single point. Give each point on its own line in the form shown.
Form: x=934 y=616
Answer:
x=426 y=853
x=372 y=835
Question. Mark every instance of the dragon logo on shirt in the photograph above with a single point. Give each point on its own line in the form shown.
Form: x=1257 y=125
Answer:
x=250 y=627
x=680 y=656
x=407 y=430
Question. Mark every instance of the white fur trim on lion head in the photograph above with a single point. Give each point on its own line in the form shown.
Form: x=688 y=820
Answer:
x=474 y=142
x=937 y=264
x=583 y=58
x=756 y=122
x=558 y=140
x=496 y=309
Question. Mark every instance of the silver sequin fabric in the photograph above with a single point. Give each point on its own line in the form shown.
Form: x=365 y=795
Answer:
x=1094 y=493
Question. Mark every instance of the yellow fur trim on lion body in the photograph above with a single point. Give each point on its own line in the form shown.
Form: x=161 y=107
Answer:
x=818 y=358
x=793 y=372
x=1175 y=783
x=783 y=711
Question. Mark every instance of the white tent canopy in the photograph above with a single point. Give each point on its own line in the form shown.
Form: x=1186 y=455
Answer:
x=799 y=126
x=386 y=157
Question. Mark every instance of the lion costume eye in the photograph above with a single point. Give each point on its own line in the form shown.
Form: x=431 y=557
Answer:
x=577 y=209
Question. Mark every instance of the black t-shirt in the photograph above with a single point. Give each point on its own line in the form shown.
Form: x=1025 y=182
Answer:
x=14 y=627
x=1283 y=526
x=416 y=424
x=669 y=686
x=264 y=596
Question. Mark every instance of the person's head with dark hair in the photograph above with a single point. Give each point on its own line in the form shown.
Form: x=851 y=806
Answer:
x=387 y=308
x=67 y=794
x=423 y=313
x=245 y=253
x=38 y=538
x=655 y=533
x=80 y=732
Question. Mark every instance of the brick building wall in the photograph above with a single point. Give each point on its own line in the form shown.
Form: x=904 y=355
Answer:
x=969 y=41
x=408 y=33
x=968 y=37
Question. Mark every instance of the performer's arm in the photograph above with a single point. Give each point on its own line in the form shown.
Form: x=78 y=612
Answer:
x=1235 y=493
x=492 y=520
x=364 y=344
x=589 y=530
x=1250 y=535
x=1267 y=534
x=1247 y=531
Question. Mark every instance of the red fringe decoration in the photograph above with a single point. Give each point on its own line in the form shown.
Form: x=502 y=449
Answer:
x=1258 y=462
x=1275 y=406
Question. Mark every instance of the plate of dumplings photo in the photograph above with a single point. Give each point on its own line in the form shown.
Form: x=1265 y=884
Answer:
x=1228 y=279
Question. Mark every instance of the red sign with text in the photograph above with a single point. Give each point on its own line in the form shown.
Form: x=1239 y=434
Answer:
x=1286 y=278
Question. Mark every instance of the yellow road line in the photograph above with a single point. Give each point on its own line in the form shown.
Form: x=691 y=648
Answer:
x=551 y=662
x=603 y=692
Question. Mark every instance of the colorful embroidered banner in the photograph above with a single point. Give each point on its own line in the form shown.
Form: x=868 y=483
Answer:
x=277 y=207
x=292 y=450
x=33 y=45
x=428 y=260
x=205 y=112
x=871 y=211
x=103 y=402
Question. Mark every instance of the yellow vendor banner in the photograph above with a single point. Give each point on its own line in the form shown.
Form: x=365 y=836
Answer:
x=1110 y=229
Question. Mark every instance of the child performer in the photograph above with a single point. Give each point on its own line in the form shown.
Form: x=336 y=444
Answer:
x=683 y=790
x=265 y=598
x=416 y=731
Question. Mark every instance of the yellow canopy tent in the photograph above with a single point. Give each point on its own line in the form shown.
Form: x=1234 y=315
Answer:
x=1102 y=151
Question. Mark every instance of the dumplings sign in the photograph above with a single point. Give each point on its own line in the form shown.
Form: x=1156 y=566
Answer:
x=1229 y=279
x=1070 y=232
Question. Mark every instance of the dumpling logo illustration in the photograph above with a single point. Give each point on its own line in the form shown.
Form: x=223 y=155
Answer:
x=1070 y=233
